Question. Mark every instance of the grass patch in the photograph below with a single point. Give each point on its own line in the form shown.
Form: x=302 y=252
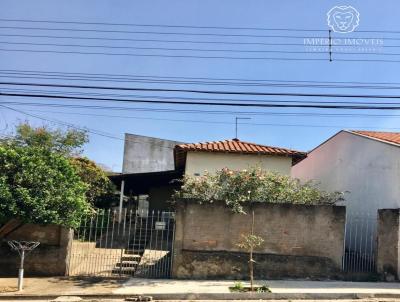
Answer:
x=238 y=287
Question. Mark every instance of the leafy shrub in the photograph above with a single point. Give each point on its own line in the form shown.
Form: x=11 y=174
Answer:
x=236 y=188
x=39 y=186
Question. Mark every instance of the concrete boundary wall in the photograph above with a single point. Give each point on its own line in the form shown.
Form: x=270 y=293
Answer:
x=300 y=241
x=50 y=258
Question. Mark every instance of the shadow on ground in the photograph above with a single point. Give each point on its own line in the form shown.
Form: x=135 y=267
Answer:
x=88 y=282
x=8 y=289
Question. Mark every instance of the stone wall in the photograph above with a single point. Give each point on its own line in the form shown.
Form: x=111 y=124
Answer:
x=388 y=244
x=48 y=259
x=300 y=241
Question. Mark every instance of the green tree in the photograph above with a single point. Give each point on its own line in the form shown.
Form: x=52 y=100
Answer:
x=40 y=186
x=101 y=191
x=248 y=243
x=67 y=142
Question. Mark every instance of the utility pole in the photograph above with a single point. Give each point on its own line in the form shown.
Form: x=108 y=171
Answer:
x=236 y=124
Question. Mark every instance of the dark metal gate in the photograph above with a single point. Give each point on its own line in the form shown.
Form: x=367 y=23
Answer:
x=140 y=245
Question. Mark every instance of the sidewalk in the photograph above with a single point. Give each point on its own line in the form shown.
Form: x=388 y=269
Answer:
x=149 y=286
x=101 y=286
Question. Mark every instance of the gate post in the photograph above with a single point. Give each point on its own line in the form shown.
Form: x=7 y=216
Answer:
x=178 y=237
x=388 y=244
x=67 y=238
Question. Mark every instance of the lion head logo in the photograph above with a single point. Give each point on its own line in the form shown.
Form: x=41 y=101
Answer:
x=343 y=19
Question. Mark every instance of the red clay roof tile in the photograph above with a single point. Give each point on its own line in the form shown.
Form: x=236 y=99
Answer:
x=391 y=137
x=237 y=146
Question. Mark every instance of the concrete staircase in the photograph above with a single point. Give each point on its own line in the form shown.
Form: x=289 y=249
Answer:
x=132 y=256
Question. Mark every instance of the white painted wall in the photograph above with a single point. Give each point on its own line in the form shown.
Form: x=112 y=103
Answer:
x=198 y=162
x=368 y=169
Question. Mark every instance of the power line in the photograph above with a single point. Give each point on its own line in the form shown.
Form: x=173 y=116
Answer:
x=86 y=129
x=114 y=137
x=201 y=57
x=177 y=41
x=152 y=40
x=182 y=33
x=197 y=111
x=185 y=26
x=208 y=92
x=168 y=56
x=162 y=48
x=280 y=51
x=192 y=81
x=190 y=98
x=62 y=123
x=128 y=76
x=216 y=122
x=160 y=25
x=266 y=105
x=162 y=33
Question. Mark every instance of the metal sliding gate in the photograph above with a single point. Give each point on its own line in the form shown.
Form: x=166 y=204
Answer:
x=139 y=245
x=360 y=244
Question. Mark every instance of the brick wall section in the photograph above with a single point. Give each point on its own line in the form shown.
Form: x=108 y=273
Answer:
x=388 y=243
x=48 y=259
x=300 y=241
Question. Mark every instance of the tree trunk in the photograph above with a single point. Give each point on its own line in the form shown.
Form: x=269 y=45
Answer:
x=251 y=255
x=251 y=270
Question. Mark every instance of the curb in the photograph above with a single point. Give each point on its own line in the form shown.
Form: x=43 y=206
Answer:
x=211 y=296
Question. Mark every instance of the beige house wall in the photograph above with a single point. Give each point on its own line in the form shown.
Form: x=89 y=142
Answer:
x=198 y=162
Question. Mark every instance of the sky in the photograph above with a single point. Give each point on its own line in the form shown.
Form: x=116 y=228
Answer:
x=291 y=131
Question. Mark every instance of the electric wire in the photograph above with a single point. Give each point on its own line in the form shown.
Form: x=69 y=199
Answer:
x=160 y=97
x=197 y=111
x=183 y=26
x=216 y=122
x=249 y=105
x=129 y=76
x=207 y=92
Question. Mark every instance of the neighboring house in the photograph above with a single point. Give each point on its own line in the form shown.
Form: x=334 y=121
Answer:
x=366 y=164
x=234 y=154
x=148 y=171
x=143 y=154
x=151 y=165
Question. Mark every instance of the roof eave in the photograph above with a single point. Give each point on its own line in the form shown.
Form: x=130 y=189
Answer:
x=372 y=138
x=298 y=154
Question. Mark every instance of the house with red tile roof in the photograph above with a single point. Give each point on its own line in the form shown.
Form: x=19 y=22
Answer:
x=365 y=165
x=151 y=165
x=234 y=154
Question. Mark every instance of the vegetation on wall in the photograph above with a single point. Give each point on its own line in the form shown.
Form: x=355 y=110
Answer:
x=238 y=188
